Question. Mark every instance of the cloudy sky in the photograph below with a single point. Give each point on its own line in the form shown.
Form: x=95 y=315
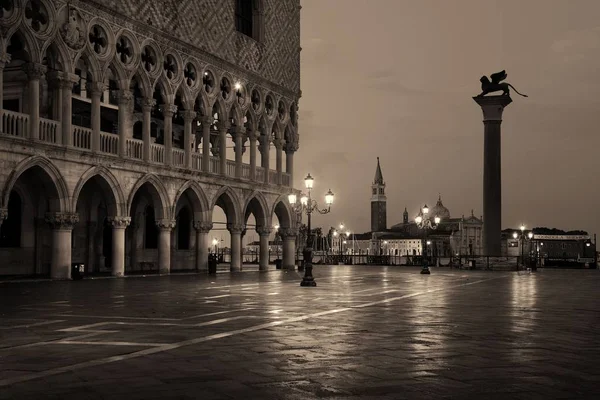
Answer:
x=395 y=79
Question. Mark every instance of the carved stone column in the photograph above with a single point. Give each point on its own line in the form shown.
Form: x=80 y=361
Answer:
x=118 y=244
x=236 y=246
x=147 y=105
x=223 y=128
x=238 y=133
x=263 y=251
x=95 y=89
x=289 y=247
x=164 y=244
x=34 y=73
x=206 y=121
x=265 y=144
x=279 y=159
x=202 y=230
x=252 y=137
x=125 y=125
x=62 y=227
x=4 y=60
x=168 y=111
x=188 y=117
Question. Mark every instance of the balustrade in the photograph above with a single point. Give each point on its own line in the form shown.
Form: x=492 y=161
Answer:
x=82 y=137
x=109 y=143
x=48 y=130
x=135 y=148
x=178 y=157
x=15 y=124
x=157 y=153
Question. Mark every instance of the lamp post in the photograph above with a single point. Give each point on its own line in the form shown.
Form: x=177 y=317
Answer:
x=424 y=222
x=308 y=205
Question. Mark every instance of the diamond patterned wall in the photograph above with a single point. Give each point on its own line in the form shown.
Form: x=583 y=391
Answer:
x=210 y=26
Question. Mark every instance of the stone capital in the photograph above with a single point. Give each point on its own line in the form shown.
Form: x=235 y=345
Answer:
x=62 y=220
x=263 y=230
x=125 y=96
x=95 y=88
x=203 y=227
x=165 y=224
x=235 y=228
x=168 y=110
x=147 y=104
x=34 y=70
x=189 y=115
x=492 y=106
x=119 y=222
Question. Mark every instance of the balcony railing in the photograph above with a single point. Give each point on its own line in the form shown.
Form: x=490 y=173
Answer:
x=135 y=148
x=109 y=143
x=82 y=138
x=15 y=124
x=49 y=130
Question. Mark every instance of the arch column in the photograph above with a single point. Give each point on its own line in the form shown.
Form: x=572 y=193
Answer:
x=4 y=59
x=289 y=247
x=165 y=227
x=95 y=89
x=125 y=125
x=34 y=72
x=147 y=105
x=279 y=160
x=263 y=251
x=223 y=127
x=236 y=246
x=168 y=111
x=188 y=118
x=238 y=133
x=202 y=230
x=252 y=137
x=62 y=227
x=119 y=224
x=206 y=121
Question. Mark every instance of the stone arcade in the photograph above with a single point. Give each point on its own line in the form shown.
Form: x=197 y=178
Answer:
x=116 y=121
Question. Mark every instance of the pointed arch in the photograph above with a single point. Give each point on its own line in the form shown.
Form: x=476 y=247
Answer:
x=53 y=180
x=160 y=196
x=108 y=182
x=257 y=205
x=229 y=202
x=281 y=208
x=197 y=198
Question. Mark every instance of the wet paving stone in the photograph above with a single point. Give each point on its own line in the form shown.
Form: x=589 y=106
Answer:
x=363 y=332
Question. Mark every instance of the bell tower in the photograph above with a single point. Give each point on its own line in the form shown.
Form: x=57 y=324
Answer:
x=378 y=202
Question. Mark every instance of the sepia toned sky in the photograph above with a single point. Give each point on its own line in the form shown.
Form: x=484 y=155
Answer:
x=395 y=79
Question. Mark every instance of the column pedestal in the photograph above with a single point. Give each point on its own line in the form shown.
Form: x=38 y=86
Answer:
x=62 y=226
x=492 y=107
x=164 y=245
x=119 y=225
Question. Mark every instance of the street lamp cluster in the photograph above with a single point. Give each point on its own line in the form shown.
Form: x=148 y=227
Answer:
x=308 y=205
x=424 y=221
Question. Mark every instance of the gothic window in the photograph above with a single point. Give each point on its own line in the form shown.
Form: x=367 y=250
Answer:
x=183 y=229
x=151 y=230
x=10 y=232
x=243 y=17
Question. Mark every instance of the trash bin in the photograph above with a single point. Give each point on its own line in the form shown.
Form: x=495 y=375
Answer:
x=278 y=263
x=212 y=264
x=77 y=270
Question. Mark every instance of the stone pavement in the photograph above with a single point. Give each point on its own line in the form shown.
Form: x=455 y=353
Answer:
x=364 y=332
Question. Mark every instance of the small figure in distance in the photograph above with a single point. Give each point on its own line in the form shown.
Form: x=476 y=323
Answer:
x=496 y=85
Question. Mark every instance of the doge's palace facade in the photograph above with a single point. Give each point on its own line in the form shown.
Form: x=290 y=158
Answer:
x=125 y=122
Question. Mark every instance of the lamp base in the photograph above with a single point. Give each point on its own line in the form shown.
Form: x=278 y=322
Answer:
x=308 y=281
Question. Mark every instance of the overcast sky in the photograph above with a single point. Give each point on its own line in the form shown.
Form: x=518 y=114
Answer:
x=395 y=79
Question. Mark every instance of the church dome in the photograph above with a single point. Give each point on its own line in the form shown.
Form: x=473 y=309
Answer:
x=440 y=211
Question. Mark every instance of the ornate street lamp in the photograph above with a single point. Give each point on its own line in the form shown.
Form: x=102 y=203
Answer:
x=308 y=205
x=424 y=222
